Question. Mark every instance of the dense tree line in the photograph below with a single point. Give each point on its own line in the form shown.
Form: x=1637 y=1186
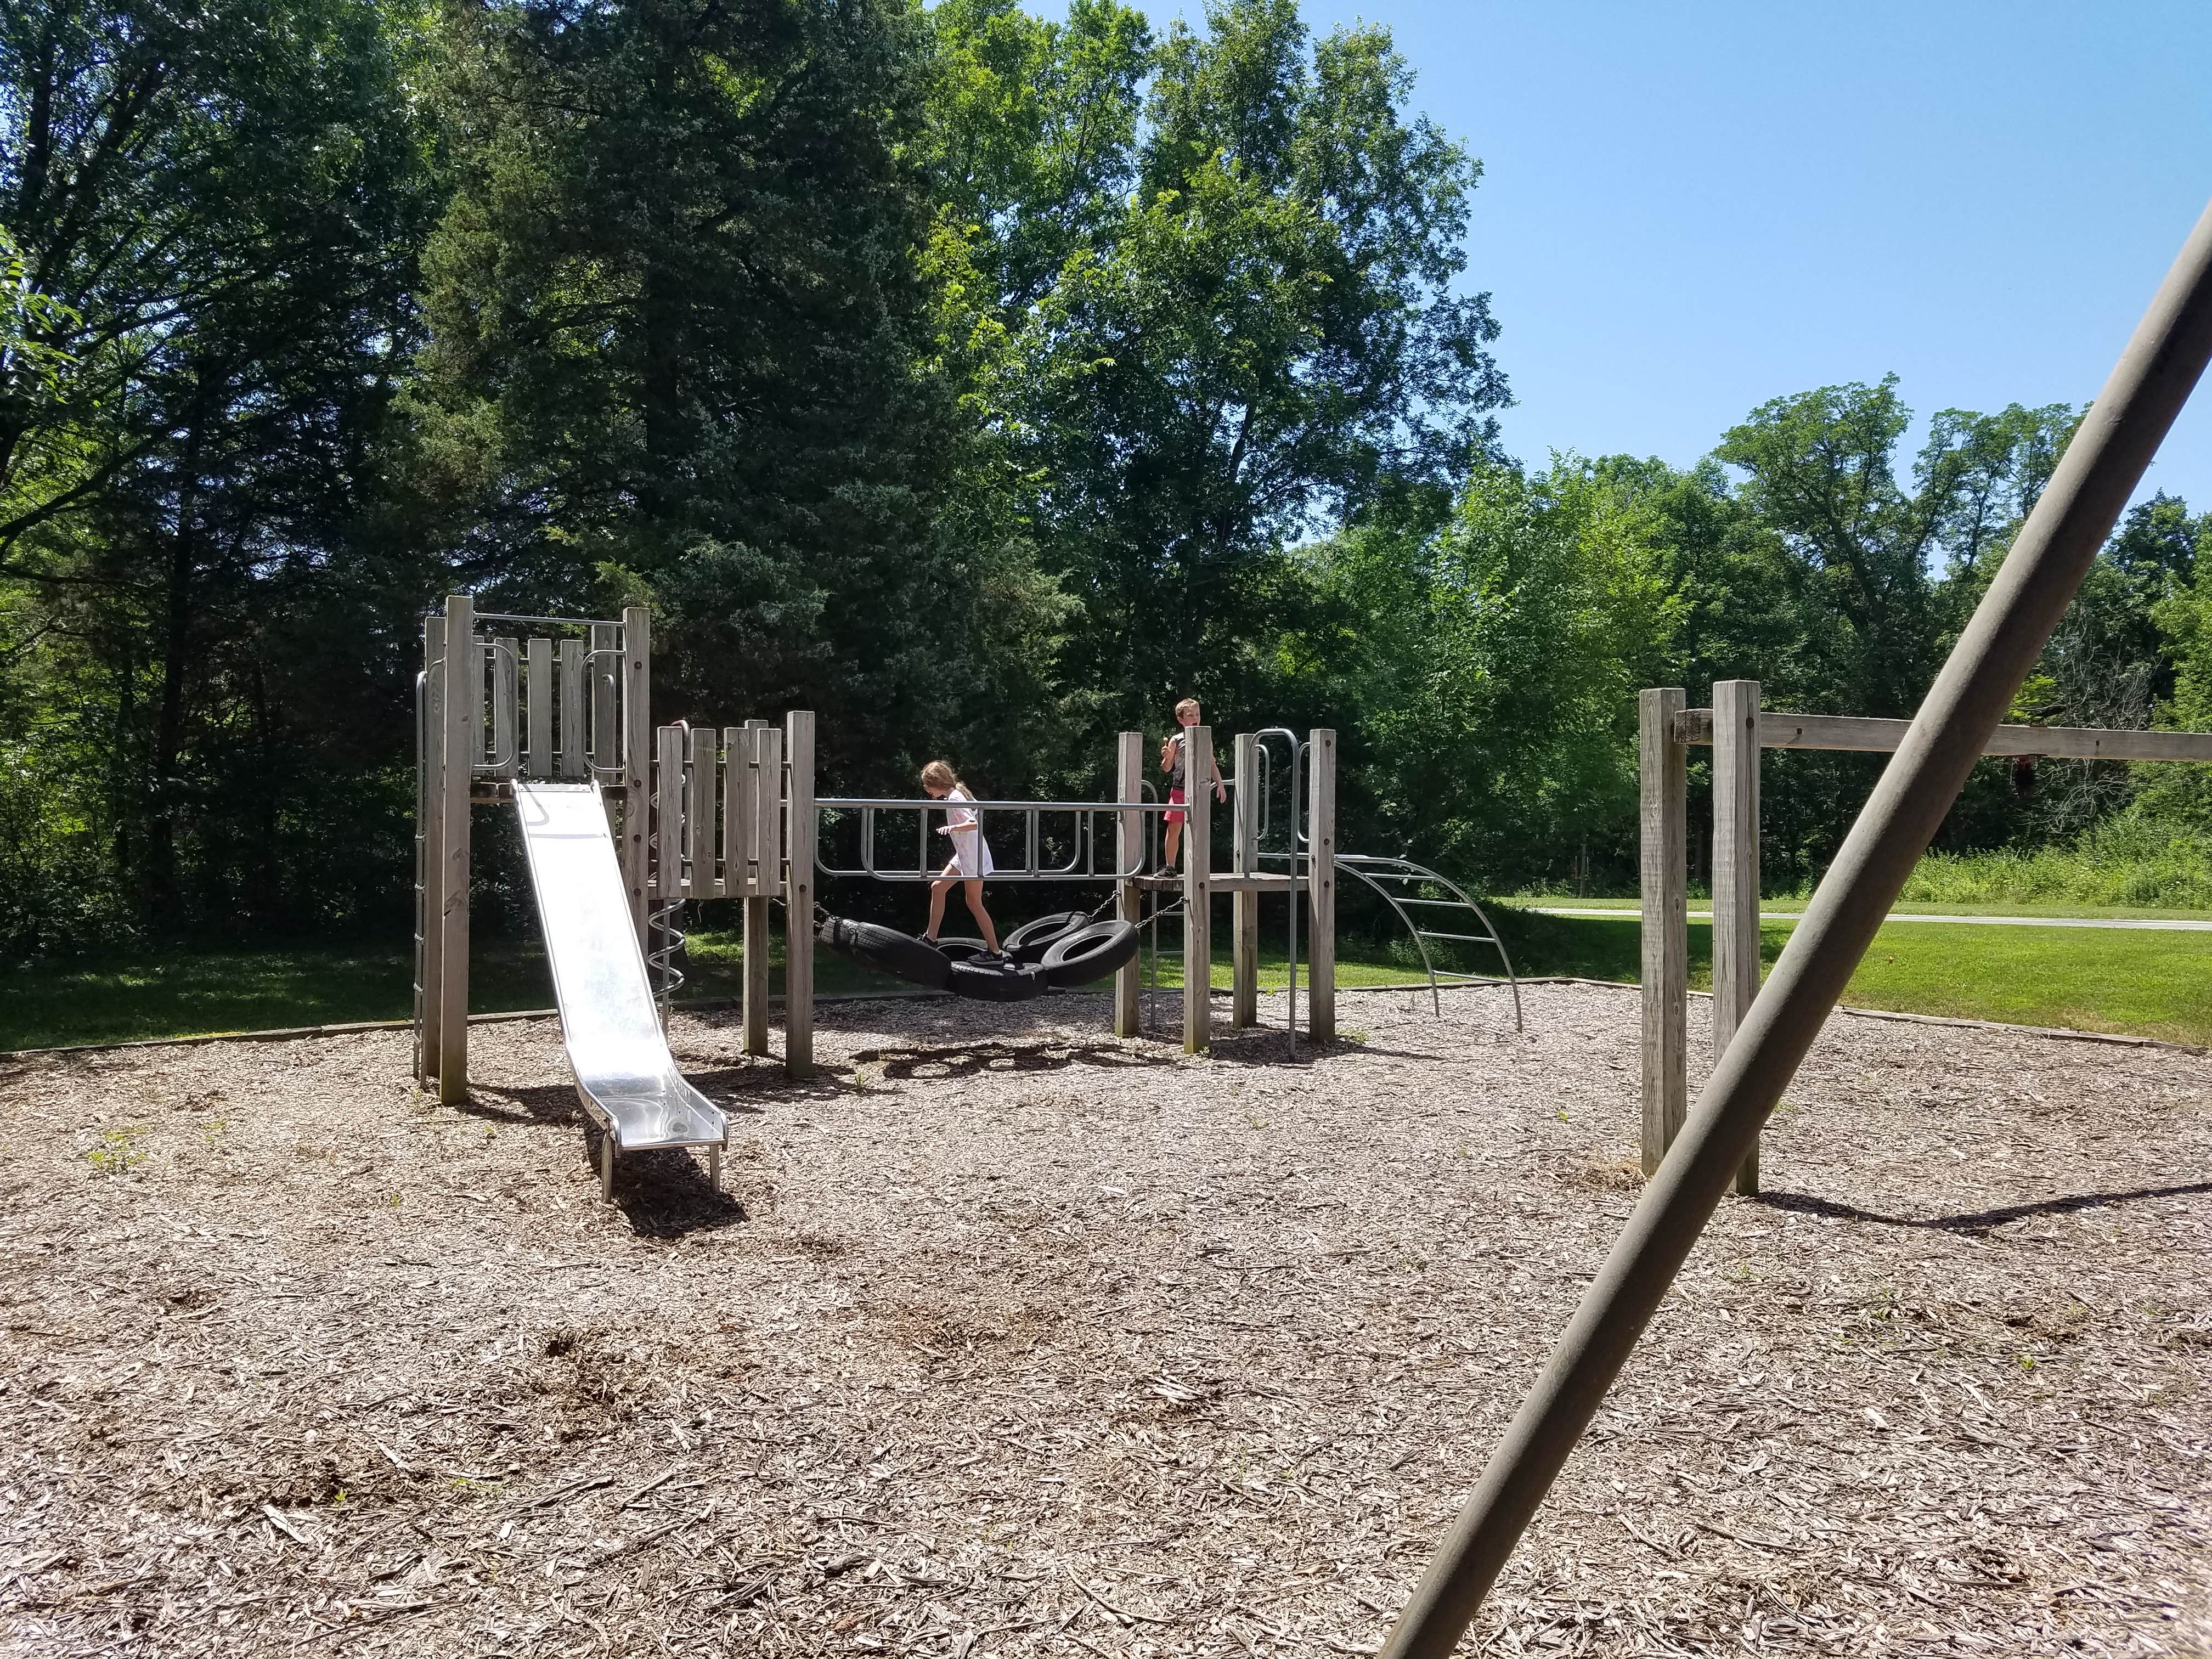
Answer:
x=982 y=382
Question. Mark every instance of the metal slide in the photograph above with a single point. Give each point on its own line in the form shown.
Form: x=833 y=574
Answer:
x=609 y=1023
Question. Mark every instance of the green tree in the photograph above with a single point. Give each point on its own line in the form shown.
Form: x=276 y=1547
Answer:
x=215 y=210
x=1222 y=270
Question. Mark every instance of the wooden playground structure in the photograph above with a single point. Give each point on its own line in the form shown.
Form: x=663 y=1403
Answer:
x=1737 y=729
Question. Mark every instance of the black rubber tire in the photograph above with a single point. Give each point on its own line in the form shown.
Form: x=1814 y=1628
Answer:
x=1030 y=941
x=960 y=948
x=887 y=951
x=1089 y=953
x=998 y=982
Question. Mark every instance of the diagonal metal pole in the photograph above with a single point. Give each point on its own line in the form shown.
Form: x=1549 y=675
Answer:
x=2099 y=472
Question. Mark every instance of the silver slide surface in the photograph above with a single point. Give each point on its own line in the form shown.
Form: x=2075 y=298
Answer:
x=609 y=1021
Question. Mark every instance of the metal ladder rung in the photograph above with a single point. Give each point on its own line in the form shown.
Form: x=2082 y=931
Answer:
x=1449 y=904
x=1465 y=938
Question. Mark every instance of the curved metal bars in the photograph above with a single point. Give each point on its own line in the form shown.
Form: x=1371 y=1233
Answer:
x=1406 y=870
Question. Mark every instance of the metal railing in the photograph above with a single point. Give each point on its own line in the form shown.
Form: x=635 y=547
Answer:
x=1376 y=870
x=1084 y=853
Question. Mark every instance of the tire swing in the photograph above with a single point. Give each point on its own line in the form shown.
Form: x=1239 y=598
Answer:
x=1089 y=953
x=960 y=948
x=1030 y=941
x=996 y=981
x=887 y=951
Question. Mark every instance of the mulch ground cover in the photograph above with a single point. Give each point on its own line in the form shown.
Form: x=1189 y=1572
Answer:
x=1006 y=1338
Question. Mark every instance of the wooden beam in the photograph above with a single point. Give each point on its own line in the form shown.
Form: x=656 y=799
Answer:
x=429 y=851
x=636 y=757
x=798 y=896
x=463 y=744
x=758 y=823
x=1244 y=901
x=1736 y=872
x=1198 y=888
x=1130 y=854
x=1866 y=734
x=1662 y=770
x=1321 y=897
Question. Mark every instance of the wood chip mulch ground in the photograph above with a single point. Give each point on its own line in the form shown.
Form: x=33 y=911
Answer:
x=1006 y=1338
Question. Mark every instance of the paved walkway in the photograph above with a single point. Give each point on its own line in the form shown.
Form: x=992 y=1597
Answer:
x=2157 y=924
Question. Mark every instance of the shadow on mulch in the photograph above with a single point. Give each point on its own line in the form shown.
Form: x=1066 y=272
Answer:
x=544 y=1103
x=1981 y=1221
x=665 y=1193
x=962 y=1060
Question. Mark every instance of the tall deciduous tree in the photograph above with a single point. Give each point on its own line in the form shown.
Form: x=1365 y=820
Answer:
x=216 y=206
x=1224 y=272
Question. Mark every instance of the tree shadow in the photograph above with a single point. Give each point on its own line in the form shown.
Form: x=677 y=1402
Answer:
x=965 y=1059
x=1982 y=1221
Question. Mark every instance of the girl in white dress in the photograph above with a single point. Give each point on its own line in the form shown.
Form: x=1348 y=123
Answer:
x=972 y=855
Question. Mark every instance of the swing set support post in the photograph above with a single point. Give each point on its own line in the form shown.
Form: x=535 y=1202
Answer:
x=2049 y=558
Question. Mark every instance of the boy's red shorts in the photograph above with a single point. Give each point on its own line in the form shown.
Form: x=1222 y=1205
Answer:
x=1175 y=799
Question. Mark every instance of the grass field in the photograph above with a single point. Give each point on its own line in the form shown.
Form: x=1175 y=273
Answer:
x=2148 y=984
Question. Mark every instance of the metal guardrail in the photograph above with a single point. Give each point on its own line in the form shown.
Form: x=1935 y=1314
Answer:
x=1083 y=859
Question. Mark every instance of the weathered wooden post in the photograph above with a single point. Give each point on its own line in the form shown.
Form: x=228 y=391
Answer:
x=1736 y=872
x=1129 y=861
x=1662 y=771
x=1321 y=858
x=1197 y=889
x=429 y=851
x=757 y=827
x=797 y=894
x=636 y=759
x=538 y=760
x=462 y=746
x=1244 y=901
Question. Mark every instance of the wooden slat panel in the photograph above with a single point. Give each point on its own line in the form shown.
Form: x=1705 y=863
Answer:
x=667 y=870
x=574 y=734
x=1866 y=734
x=769 y=816
x=537 y=760
x=734 y=812
x=699 y=817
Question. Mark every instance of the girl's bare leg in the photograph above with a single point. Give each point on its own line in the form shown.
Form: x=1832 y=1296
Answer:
x=1175 y=842
x=938 y=889
x=982 y=916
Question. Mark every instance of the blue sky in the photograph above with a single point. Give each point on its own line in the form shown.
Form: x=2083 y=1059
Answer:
x=1688 y=209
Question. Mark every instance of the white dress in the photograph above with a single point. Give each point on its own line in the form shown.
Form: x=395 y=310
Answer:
x=970 y=852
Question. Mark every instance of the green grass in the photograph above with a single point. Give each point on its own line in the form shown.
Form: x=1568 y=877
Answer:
x=2149 y=984
x=1791 y=903
x=2139 y=983
x=199 y=992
